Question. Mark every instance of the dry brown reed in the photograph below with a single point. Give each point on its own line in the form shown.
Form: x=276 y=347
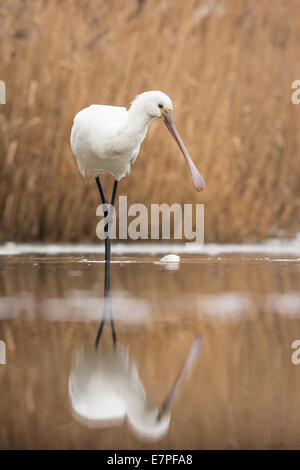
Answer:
x=228 y=66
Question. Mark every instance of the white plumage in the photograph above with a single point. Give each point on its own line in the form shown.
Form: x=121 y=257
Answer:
x=107 y=139
x=105 y=388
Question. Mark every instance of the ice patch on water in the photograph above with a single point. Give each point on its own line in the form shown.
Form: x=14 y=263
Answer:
x=285 y=260
x=270 y=247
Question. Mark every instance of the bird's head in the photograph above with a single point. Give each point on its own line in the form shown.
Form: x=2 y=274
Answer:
x=151 y=423
x=147 y=424
x=158 y=104
x=155 y=103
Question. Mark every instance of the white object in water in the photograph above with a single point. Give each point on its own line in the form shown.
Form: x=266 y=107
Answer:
x=170 y=259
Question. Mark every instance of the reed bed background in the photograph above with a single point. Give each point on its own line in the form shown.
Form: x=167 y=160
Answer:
x=228 y=66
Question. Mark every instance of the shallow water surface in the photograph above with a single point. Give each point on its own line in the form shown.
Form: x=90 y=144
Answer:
x=242 y=393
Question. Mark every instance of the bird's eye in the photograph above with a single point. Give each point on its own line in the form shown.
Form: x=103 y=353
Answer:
x=160 y=105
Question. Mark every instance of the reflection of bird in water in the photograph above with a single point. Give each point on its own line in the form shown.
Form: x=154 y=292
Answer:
x=105 y=387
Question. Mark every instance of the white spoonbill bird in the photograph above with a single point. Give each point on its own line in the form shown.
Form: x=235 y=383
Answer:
x=105 y=388
x=107 y=139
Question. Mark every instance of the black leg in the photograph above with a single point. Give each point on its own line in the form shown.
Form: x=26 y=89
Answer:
x=113 y=332
x=100 y=330
x=103 y=198
x=107 y=303
x=108 y=226
x=107 y=309
x=104 y=201
x=113 y=197
x=112 y=324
